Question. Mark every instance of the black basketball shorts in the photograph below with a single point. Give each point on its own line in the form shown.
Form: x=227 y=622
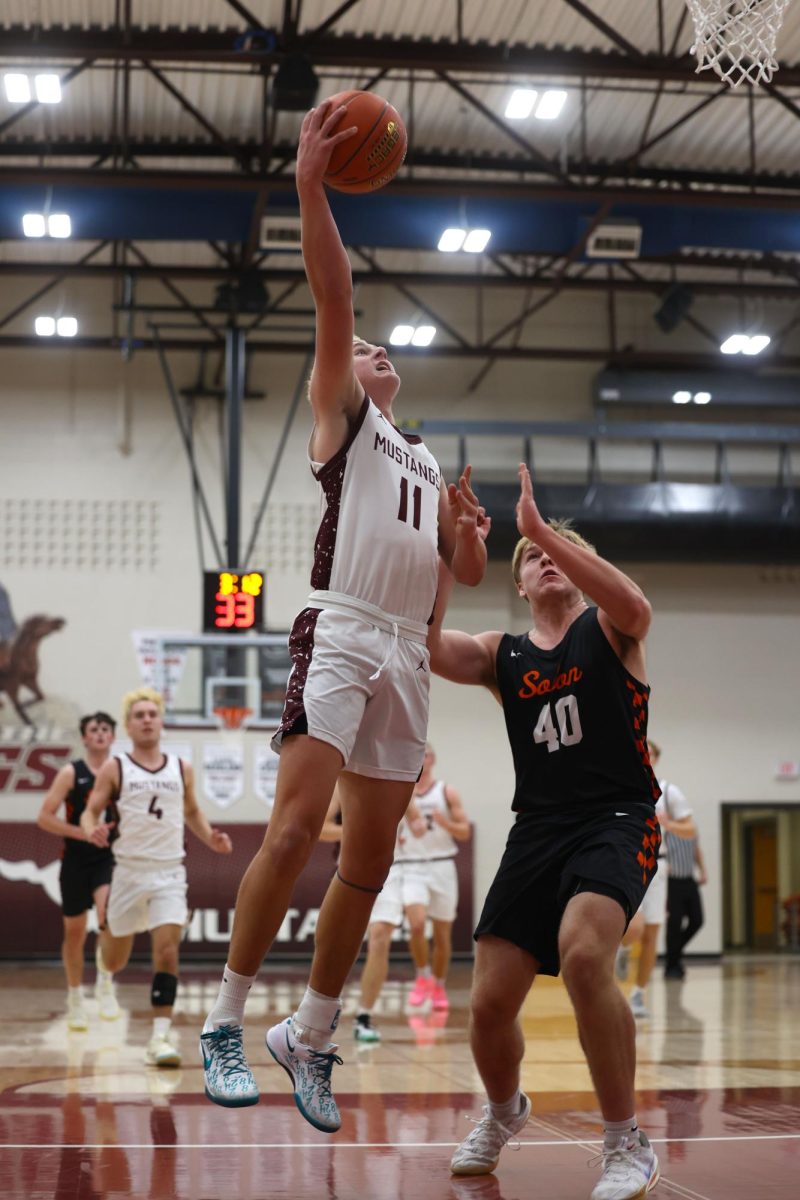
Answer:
x=80 y=880
x=547 y=860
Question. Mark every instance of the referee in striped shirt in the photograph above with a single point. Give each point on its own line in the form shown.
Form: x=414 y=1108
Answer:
x=687 y=870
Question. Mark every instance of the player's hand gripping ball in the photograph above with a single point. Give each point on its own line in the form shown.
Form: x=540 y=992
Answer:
x=371 y=157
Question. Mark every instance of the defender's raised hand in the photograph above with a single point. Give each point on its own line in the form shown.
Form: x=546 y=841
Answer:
x=469 y=517
x=529 y=520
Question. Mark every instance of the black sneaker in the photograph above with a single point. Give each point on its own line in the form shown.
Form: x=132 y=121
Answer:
x=674 y=973
x=364 y=1030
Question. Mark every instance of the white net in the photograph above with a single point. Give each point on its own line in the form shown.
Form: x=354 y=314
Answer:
x=737 y=38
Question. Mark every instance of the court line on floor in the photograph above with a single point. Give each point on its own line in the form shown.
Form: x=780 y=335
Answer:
x=755 y=1137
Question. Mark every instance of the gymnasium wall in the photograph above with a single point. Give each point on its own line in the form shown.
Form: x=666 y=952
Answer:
x=96 y=526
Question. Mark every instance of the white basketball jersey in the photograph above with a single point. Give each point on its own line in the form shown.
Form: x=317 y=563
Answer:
x=378 y=539
x=150 y=808
x=436 y=843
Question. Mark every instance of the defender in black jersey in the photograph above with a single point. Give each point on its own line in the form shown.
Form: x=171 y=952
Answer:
x=583 y=848
x=86 y=869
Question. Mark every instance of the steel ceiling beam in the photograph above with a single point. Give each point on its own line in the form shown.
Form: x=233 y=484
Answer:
x=788 y=292
x=607 y=30
x=185 y=149
x=490 y=189
x=641 y=359
x=359 y=52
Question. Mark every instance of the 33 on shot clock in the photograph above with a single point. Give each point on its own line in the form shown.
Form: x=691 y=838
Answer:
x=233 y=601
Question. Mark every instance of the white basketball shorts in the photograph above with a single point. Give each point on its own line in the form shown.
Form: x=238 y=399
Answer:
x=146 y=895
x=432 y=884
x=361 y=689
x=654 y=906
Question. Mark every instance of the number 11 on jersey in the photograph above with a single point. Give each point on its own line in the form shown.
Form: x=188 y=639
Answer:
x=416 y=498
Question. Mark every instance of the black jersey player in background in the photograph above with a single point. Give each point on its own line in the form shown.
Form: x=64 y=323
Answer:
x=582 y=850
x=86 y=868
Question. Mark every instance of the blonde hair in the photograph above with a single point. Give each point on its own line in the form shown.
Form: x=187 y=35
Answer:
x=563 y=528
x=142 y=693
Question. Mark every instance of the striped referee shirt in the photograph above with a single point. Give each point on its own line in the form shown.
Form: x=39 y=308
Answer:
x=680 y=851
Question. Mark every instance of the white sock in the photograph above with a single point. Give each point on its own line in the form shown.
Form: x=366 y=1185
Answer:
x=75 y=994
x=229 y=1006
x=504 y=1113
x=99 y=964
x=439 y=982
x=424 y=973
x=316 y=1018
x=161 y=1026
x=617 y=1132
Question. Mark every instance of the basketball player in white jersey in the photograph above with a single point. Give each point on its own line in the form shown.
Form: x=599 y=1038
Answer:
x=430 y=883
x=155 y=800
x=357 y=698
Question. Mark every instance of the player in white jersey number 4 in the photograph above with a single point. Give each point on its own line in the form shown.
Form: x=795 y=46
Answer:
x=357 y=699
x=155 y=799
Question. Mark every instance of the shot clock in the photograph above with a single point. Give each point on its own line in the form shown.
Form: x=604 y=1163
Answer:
x=233 y=601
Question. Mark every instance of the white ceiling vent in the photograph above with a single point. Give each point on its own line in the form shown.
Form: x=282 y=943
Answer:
x=279 y=233
x=615 y=239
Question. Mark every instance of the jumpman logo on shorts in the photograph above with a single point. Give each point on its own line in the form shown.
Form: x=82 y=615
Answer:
x=421 y=666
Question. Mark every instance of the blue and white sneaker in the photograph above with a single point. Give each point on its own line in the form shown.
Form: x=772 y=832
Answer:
x=228 y=1079
x=310 y=1073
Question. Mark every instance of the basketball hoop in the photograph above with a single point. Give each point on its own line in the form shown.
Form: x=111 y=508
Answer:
x=737 y=38
x=232 y=716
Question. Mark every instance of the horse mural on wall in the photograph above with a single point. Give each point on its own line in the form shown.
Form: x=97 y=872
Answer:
x=19 y=657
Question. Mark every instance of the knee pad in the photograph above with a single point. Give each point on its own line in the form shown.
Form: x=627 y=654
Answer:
x=162 y=993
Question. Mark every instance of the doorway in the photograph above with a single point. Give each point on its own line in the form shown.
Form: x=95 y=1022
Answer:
x=760 y=872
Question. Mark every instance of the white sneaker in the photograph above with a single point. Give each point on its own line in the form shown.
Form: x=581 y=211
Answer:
x=77 y=1019
x=629 y=1172
x=161 y=1052
x=310 y=1073
x=638 y=1006
x=479 y=1153
x=228 y=1079
x=105 y=992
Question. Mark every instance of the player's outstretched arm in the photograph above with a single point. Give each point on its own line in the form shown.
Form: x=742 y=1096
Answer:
x=456 y=822
x=197 y=820
x=334 y=388
x=615 y=594
x=48 y=818
x=457 y=656
x=463 y=530
x=105 y=790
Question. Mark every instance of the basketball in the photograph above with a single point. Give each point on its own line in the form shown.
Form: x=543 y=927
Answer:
x=373 y=156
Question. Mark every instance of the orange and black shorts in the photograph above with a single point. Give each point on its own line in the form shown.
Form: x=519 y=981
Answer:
x=548 y=859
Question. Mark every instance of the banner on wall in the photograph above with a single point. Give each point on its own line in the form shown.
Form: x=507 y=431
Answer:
x=30 y=864
x=223 y=772
x=162 y=672
x=265 y=774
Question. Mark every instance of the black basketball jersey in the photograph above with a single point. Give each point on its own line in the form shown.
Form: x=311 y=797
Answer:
x=576 y=721
x=76 y=803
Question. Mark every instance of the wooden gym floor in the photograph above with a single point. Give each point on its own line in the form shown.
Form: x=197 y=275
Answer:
x=81 y=1117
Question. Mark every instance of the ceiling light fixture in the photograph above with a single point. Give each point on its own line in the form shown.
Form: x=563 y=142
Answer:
x=18 y=88
x=33 y=225
x=451 y=240
x=550 y=105
x=477 y=240
x=520 y=104
x=702 y=397
x=423 y=335
x=681 y=397
x=401 y=335
x=48 y=88
x=59 y=225
x=45 y=326
x=745 y=343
